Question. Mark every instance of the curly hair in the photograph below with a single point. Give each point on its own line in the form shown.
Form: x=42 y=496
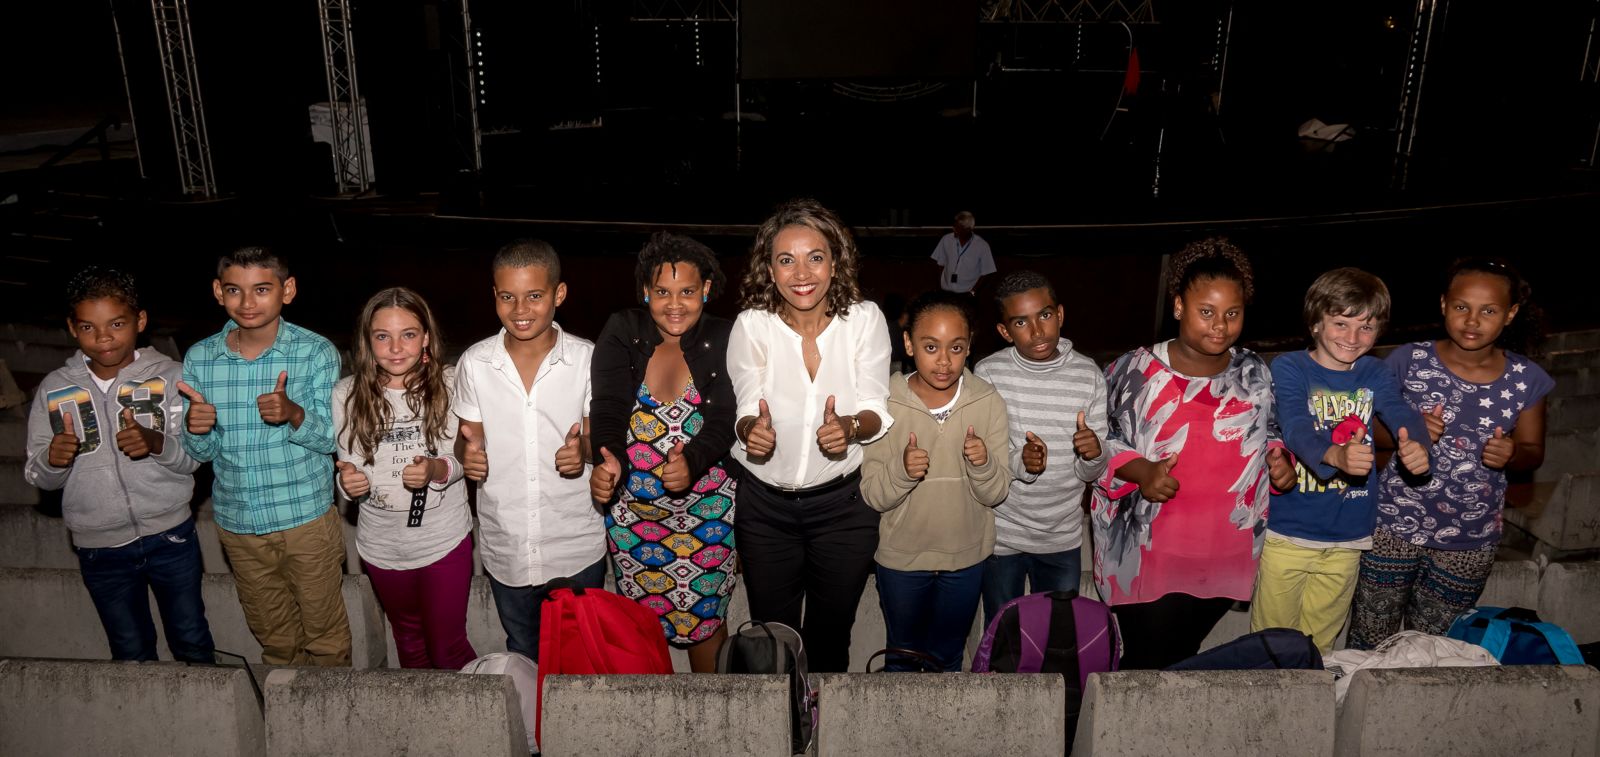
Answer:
x=1016 y=283
x=1348 y=292
x=1525 y=334
x=97 y=283
x=671 y=249
x=1210 y=258
x=758 y=292
x=367 y=411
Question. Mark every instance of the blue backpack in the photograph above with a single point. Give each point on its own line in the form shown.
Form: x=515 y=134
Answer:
x=1268 y=649
x=1516 y=636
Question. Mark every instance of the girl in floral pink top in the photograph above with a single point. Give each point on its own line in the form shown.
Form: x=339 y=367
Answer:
x=1179 y=513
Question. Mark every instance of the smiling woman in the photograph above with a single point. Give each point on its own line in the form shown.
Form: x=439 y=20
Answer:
x=810 y=365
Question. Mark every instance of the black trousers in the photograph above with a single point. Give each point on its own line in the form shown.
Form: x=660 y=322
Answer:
x=1166 y=631
x=807 y=550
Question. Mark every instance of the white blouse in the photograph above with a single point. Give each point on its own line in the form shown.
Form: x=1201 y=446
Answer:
x=765 y=362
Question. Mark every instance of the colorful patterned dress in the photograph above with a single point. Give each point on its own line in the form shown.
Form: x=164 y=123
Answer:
x=673 y=554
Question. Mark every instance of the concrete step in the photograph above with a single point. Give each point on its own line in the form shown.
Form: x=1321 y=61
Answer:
x=14 y=489
x=1573 y=340
x=1563 y=514
x=390 y=712
x=1579 y=413
x=1569 y=452
x=1569 y=596
x=1575 y=382
x=1561 y=361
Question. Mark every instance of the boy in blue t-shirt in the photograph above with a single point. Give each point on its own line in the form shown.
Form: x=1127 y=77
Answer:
x=1326 y=399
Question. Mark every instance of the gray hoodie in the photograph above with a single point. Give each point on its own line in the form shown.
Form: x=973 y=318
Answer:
x=110 y=499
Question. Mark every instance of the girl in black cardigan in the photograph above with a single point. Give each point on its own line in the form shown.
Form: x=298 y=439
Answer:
x=661 y=421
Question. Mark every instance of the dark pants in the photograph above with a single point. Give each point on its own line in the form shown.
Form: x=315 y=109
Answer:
x=807 y=550
x=519 y=608
x=427 y=609
x=1004 y=577
x=1166 y=631
x=929 y=611
x=120 y=580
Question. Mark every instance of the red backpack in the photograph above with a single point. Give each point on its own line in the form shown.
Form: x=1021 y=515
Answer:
x=587 y=631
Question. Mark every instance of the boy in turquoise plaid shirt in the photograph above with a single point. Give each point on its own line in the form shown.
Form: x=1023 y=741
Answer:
x=259 y=398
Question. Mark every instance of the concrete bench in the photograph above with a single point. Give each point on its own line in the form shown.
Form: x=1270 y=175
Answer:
x=57 y=707
x=1564 y=514
x=945 y=713
x=31 y=539
x=1229 y=713
x=317 y=711
x=601 y=715
x=1523 y=710
x=49 y=614
x=1569 y=596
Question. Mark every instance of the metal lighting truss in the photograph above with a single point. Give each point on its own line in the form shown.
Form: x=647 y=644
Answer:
x=344 y=97
x=175 y=44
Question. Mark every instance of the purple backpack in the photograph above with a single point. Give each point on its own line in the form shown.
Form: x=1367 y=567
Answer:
x=1052 y=632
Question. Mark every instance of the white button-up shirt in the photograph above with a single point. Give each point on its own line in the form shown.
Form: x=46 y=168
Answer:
x=535 y=525
x=765 y=362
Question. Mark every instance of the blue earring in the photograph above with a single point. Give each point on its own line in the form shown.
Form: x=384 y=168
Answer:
x=647 y=299
x=705 y=298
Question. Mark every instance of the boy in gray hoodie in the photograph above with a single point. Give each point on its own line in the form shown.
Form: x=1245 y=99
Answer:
x=107 y=427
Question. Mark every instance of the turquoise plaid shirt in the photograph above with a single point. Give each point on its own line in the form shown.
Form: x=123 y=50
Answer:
x=268 y=478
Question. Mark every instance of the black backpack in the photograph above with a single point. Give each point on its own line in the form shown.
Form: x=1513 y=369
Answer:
x=1268 y=649
x=774 y=648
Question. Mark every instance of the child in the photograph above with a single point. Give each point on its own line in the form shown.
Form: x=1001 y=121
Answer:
x=1057 y=401
x=1327 y=397
x=259 y=395
x=127 y=508
x=1175 y=542
x=1484 y=408
x=934 y=479
x=523 y=399
x=392 y=419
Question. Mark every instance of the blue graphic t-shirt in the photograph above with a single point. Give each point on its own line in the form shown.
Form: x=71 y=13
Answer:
x=1459 y=506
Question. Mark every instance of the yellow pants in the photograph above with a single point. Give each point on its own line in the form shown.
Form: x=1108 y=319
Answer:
x=1306 y=589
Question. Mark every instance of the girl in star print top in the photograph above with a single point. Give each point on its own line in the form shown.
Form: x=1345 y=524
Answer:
x=1484 y=406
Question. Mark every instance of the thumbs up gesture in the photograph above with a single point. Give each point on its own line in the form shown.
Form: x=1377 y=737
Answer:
x=833 y=436
x=64 y=446
x=1280 y=470
x=1435 y=421
x=759 y=439
x=675 y=473
x=1355 y=459
x=1162 y=485
x=354 y=482
x=1035 y=453
x=569 y=458
x=974 y=450
x=275 y=406
x=1413 y=454
x=421 y=470
x=603 y=479
x=202 y=415
x=1498 y=449
x=1084 y=440
x=135 y=440
x=916 y=460
x=474 y=460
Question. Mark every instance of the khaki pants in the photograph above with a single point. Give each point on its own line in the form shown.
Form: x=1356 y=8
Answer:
x=289 y=586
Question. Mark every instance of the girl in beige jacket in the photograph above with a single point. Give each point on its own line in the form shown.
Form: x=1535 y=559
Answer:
x=935 y=475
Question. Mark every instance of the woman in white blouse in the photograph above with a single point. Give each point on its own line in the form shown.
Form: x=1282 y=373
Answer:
x=809 y=361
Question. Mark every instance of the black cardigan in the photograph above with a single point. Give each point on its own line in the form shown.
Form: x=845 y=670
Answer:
x=621 y=355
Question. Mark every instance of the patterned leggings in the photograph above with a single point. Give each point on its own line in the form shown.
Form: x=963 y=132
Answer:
x=1427 y=587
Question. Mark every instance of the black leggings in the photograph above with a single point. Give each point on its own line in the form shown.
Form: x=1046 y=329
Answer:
x=1168 y=630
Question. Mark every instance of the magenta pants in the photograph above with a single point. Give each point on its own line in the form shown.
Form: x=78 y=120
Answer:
x=427 y=607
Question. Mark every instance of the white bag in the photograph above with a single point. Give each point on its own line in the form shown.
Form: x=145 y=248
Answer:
x=1407 y=649
x=524 y=676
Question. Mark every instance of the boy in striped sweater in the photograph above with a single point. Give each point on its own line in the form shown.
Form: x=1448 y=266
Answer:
x=1057 y=403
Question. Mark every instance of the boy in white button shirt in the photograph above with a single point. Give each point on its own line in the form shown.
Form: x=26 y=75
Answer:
x=523 y=399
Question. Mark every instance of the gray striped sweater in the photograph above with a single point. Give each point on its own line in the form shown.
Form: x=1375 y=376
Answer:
x=1042 y=514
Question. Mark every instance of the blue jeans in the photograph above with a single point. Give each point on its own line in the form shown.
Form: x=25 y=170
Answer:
x=1003 y=581
x=120 y=579
x=929 y=611
x=520 y=606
